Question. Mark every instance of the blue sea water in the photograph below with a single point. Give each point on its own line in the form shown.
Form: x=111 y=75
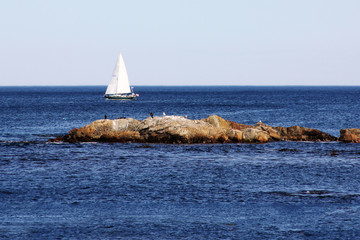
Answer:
x=280 y=190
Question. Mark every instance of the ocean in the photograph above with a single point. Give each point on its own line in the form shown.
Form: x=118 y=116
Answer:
x=278 y=190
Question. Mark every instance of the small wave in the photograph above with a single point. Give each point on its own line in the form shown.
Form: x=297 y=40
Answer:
x=20 y=143
x=6 y=192
x=50 y=135
x=342 y=152
x=144 y=146
x=315 y=193
x=288 y=150
x=318 y=192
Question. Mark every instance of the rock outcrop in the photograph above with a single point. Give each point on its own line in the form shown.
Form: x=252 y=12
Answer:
x=295 y=133
x=350 y=135
x=177 y=129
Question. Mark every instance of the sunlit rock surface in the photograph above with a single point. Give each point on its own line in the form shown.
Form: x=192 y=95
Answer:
x=350 y=135
x=178 y=129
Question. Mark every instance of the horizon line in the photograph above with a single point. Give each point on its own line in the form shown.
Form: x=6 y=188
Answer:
x=216 y=85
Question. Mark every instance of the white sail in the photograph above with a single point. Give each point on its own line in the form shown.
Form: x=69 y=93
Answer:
x=119 y=82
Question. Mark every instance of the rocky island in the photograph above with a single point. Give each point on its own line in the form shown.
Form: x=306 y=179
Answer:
x=178 y=129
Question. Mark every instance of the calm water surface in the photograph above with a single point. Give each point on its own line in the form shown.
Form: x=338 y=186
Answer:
x=283 y=190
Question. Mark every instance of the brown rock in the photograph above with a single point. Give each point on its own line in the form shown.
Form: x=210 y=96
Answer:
x=295 y=133
x=105 y=130
x=176 y=129
x=220 y=122
x=253 y=135
x=350 y=135
x=274 y=133
x=234 y=135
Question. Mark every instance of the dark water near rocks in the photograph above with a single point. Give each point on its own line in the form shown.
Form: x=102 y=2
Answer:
x=284 y=190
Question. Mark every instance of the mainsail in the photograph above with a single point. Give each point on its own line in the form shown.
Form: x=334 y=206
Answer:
x=119 y=82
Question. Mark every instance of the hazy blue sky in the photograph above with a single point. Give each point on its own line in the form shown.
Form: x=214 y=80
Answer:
x=184 y=42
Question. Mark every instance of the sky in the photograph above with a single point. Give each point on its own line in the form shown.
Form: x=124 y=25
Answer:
x=180 y=42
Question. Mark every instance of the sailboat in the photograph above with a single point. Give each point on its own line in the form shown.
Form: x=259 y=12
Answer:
x=119 y=86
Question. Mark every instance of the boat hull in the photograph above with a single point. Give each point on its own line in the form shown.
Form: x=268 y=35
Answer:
x=121 y=96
